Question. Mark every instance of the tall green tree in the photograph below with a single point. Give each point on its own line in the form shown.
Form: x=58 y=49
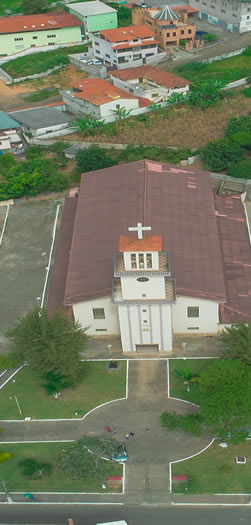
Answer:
x=49 y=344
x=236 y=342
x=225 y=396
x=32 y=7
x=93 y=158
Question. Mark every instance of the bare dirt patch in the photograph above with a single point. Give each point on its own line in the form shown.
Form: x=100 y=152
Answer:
x=184 y=128
x=11 y=96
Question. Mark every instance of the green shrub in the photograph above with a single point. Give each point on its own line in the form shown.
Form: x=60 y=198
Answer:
x=59 y=146
x=32 y=469
x=236 y=124
x=93 y=158
x=56 y=383
x=247 y=92
x=57 y=181
x=4 y=456
x=190 y=423
x=243 y=138
x=211 y=37
x=220 y=154
x=241 y=170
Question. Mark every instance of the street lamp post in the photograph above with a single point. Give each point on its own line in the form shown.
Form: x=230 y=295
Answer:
x=109 y=351
x=184 y=350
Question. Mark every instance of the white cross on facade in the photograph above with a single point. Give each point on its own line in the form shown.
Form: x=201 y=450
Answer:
x=139 y=229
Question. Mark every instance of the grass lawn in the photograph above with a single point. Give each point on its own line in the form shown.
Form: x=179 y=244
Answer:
x=177 y=387
x=227 y=69
x=216 y=471
x=97 y=386
x=40 y=62
x=58 y=480
x=43 y=94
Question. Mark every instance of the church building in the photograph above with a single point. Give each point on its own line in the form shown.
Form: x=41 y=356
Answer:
x=147 y=250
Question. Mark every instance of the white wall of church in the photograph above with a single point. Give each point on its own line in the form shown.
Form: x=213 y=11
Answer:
x=152 y=289
x=145 y=324
x=206 y=323
x=83 y=312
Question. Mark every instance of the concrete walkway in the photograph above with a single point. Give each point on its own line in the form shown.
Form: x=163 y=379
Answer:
x=152 y=447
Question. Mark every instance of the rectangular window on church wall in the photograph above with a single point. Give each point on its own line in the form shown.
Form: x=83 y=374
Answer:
x=141 y=260
x=133 y=260
x=98 y=313
x=149 y=262
x=193 y=311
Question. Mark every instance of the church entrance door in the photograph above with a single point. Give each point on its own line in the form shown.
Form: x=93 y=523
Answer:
x=149 y=349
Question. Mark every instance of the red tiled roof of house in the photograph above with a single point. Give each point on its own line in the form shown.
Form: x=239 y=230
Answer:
x=42 y=22
x=99 y=91
x=122 y=46
x=125 y=34
x=129 y=243
x=143 y=102
x=177 y=202
x=164 y=78
x=236 y=256
x=189 y=8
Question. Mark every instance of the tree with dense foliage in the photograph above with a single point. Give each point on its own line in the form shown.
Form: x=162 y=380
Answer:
x=33 y=7
x=220 y=154
x=206 y=93
x=93 y=158
x=49 y=344
x=241 y=170
x=84 y=457
x=225 y=396
x=124 y=14
x=236 y=342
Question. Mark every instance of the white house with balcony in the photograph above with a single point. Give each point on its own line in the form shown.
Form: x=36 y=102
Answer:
x=123 y=46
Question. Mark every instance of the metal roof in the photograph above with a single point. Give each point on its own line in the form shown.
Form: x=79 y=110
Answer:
x=90 y=8
x=42 y=117
x=177 y=203
x=7 y=122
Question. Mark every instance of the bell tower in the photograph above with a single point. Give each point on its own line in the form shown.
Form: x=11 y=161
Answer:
x=144 y=291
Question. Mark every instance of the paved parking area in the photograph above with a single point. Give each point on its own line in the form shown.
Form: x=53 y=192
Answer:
x=28 y=235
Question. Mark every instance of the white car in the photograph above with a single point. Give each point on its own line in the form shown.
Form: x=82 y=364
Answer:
x=94 y=62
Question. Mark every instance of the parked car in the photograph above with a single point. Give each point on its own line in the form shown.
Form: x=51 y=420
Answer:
x=94 y=62
x=120 y=454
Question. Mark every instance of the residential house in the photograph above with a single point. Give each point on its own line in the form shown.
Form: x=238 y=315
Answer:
x=94 y=15
x=10 y=140
x=169 y=26
x=99 y=99
x=149 y=82
x=125 y=45
x=19 y=33
x=147 y=250
x=233 y=15
x=42 y=120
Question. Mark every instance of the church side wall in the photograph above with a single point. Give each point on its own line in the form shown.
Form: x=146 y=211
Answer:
x=83 y=312
x=206 y=323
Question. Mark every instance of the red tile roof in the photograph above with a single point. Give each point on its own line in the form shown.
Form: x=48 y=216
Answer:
x=155 y=74
x=42 y=22
x=125 y=34
x=130 y=243
x=189 y=8
x=99 y=91
x=177 y=202
x=236 y=255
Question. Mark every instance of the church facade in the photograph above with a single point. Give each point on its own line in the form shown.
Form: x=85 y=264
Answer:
x=141 y=255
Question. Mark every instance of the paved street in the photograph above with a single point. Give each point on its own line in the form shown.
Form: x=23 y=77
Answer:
x=90 y=515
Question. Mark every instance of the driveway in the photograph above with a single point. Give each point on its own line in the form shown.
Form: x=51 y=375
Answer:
x=151 y=448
